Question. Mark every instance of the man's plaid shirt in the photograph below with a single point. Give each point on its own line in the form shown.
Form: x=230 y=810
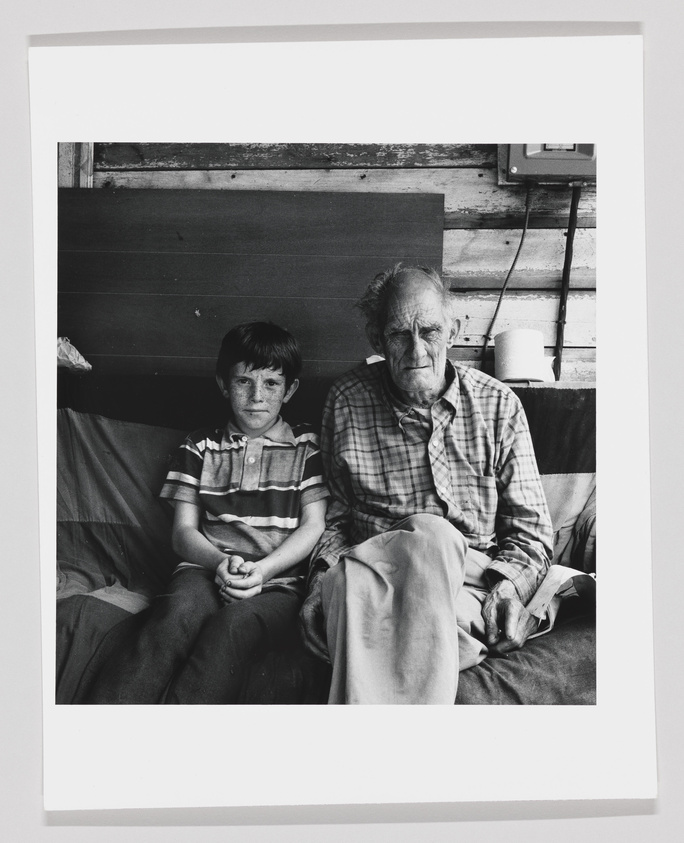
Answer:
x=382 y=461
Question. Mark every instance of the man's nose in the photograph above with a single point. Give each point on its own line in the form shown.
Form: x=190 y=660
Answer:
x=416 y=345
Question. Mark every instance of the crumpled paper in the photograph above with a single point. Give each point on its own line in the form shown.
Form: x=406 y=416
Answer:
x=69 y=357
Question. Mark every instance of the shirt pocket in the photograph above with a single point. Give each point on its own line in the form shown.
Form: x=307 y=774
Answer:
x=482 y=504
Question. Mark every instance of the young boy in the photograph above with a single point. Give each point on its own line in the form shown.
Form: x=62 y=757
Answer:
x=249 y=506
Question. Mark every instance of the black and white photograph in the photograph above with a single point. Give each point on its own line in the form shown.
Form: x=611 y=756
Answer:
x=409 y=330
x=333 y=427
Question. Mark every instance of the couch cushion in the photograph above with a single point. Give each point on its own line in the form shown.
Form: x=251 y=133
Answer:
x=111 y=527
x=554 y=669
x=567 y=496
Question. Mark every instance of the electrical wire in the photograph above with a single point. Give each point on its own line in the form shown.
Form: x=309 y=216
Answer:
x=565 y=281
x=490 y=330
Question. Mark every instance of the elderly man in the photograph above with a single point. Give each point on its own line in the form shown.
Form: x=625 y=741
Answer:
x=438 y=533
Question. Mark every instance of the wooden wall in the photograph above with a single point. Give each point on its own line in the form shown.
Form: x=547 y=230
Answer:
x=482 y=220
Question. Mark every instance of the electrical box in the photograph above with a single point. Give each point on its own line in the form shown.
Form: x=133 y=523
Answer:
x=558 y=163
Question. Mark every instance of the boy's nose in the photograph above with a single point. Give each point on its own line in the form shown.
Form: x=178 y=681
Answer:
x=257 y=393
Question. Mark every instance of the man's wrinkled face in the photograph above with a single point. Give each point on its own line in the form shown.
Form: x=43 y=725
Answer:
x=417 y=334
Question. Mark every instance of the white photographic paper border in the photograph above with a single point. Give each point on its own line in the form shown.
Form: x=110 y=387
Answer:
x=414 y=91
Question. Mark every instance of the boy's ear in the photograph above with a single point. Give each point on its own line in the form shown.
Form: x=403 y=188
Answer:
x=291 y=391
x=374 y=338
x=222 y=386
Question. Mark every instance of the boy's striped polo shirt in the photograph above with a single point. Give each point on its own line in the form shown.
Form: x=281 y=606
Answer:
x=250 y=491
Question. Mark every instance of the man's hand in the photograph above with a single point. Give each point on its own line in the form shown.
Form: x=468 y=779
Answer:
x=508 y=624
x=237 y=579
x=312 y=621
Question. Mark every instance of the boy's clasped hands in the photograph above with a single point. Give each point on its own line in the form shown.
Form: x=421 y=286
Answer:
x=238 y=579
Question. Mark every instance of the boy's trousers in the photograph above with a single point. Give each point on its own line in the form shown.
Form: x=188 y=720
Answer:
x=189 y=646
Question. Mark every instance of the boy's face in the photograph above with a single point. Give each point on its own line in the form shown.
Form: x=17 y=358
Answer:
x=255 y=396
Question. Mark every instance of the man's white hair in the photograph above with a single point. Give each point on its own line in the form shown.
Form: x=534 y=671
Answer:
x=373 y=303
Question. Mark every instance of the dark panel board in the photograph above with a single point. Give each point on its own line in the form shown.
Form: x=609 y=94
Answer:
x=282 y=276
x=190 y=326
x=250 y=222
x=224 y=156
x=151 y=280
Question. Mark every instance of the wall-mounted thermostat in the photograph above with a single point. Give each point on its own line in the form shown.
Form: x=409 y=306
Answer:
x=548 y=162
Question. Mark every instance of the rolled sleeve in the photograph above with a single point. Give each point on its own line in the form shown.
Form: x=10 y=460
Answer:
x=523 y=524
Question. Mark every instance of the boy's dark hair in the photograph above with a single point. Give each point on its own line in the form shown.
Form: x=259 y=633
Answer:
x=260 y=345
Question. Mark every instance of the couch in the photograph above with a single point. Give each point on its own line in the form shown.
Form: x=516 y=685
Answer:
x=114 y=555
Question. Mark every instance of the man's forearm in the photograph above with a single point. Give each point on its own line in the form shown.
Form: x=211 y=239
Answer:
x=525 y=575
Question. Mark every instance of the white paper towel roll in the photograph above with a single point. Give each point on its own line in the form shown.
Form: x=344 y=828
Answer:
x=519 y=356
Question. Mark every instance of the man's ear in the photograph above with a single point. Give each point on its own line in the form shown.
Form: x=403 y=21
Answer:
x=291 y=391
x=375 y=339
x=222 y=387
x=455 y=330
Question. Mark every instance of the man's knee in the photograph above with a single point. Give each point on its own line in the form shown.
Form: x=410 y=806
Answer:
x=435 y=531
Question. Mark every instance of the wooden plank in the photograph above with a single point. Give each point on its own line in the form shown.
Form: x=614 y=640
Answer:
x=160 y=325
x=576 y=358
x=172 y=365
x=472 y=198
x=473 y=354
x=224 y=156
x=280 y=276
x=573 y=372
x=316 y=374
x=75 y=164
x=249 y=222
x=470 y=257
x=537 y=219
x=536 y=311
x=578 y=364
x=540 y=281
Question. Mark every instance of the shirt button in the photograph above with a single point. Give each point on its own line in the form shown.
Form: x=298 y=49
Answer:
x=251 y=460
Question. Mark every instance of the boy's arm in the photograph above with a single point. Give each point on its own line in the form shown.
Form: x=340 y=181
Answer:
x=187 y=540
x=247 y=579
